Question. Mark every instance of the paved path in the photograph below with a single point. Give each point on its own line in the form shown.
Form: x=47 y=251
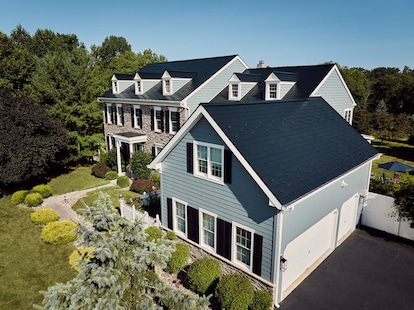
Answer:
x=62 y=204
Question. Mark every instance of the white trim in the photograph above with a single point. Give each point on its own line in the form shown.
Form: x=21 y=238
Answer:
x=109 y=115
x=201 y=212
x=170 y=124
x=120 y=120
x=140 y=90
x=163 y=103
x=236 y=225
x=232 y=89
x=156 y=129
x=167 y=90
x=351 y=110
x=174 y=210
x=208 y=175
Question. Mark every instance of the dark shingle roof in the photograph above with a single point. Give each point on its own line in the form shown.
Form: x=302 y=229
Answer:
x=307 y=78
x=199 y=70
x=294 y=146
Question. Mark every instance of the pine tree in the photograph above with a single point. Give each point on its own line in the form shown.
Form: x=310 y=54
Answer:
x=120 y=273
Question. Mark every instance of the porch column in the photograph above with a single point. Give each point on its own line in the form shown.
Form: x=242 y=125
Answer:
x=118 y=156
x=131 y=149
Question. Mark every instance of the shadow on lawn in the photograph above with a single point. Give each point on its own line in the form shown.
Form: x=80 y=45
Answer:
x=401 y=152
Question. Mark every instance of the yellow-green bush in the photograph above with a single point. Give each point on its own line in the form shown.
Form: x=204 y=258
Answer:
x=60 y=232
x=44 y=190
x=154 y=233
x=203 y=273
x=33 y=199
x=234 y=292
x=111 y=175
x=122 y=181
x=18 y=197
x=262 y=300
x=179 y=258
x=44 y=216
x=75 y=257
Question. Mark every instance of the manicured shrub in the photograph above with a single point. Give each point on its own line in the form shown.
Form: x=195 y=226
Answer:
x=154 y=233
x=18 y=197
x=262 y=300
x=122 y=181
x=203 y=273
x=111 y=175
x=33 y=199
x=60 y=232
x=44 y=216
x=139 y=162
x=44 y=190
x=140 y=186
x=179 y=258
x=234 y=292
x=170 y=235
x=75 y=257
x=100 y=169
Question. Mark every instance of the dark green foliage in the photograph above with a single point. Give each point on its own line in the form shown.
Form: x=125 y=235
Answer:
x=32 y=145
x=33 y=199
x=111 y=159
x=179 y=258
x=404 y=201
x=61 y=232
x=111 y=175
x=234 y=292
x=44 y=190
x=18 y=197
x=203 y=273
x=122 y=181
x=139 y=162
x=262 y=300
x=382 y=187
x=141 y=186
x=154 y=233
x=44 y=216
x=100 y=169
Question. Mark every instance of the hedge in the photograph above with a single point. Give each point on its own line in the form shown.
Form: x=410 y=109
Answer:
x=203 y=273
x=235 y=292
x=60 y=232
x=33 y=199
x=44 y=216
x=179 y=258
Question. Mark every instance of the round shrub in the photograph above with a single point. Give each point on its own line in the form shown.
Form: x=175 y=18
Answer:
x=170 y=235
x=75 y=257
x=44 y=216
x=44 y=190
x=111 y=175
x=140 y=186
x=262 y=300
x=203 y=273
x=33 y=199
x=179 y=258
x=122 y=181
x=100 y=169
x=60 y=232
x=18 y=197
x=154 y=233
x=235 y=292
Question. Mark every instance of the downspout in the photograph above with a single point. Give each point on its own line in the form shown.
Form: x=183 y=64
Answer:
x=278 y=230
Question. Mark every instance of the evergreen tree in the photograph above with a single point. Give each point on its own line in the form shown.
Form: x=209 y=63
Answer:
x=120 y=273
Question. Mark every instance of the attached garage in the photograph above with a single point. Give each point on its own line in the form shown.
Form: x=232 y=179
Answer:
x=306 y=250
x=347 y=218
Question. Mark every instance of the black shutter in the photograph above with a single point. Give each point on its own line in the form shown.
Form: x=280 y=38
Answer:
x=140 y=118
x=169 y=213
x=190 y=158
x=192 y=223
x=153 y=151
x=227 y=166
x=132 y=117
x=257 y=254
x=106 y=114
x=224 y=238
x=167 y=121
x=162 y=121
x=178 y=121
x=152 y=119
x=115 y=114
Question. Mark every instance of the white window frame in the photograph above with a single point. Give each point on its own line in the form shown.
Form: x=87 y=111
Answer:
x=136 y=125
x=175 y=219
x=201 y=213
x=156 y=128
x=235 y=245
x=234 y=91
x=138 y=87
x=208 y=175
x=268 y=92
x=109 y=114
x=158 y=148
x=348 y=115
x=170 y=125
x=167 y=86
x=119 y=116
x=115 y=87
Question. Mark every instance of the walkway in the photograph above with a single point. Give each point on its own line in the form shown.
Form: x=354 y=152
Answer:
x=62 y=204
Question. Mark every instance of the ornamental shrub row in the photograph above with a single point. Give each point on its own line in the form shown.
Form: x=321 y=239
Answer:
x=179 y=258
x=44 y=190
x=44 y=216
x=18 y=197
x=31 y=198
x=203 y=273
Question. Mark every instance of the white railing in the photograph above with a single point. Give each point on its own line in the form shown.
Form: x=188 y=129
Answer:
x=133 y=214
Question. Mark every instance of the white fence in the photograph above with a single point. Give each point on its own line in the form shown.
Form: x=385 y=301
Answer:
x=132 y=214
x=377 y=214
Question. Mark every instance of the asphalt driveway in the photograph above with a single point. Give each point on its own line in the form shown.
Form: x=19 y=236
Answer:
x=367 y=271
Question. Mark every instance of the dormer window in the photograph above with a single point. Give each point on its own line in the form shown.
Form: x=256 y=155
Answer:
x=115 y=87
x=138 y=84
x=234 y=91
x=167 y=87
x=272 y=91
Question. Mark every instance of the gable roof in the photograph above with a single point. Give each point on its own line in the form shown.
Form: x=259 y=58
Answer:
x=200 y=70
x=290 y=147
x=307 y=79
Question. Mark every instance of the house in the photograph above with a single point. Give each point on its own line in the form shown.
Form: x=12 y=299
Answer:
x=270 y=188
x=145 y=110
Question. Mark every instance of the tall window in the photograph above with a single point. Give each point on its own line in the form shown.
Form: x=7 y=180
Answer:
x=137 y=117
x=243 y=246
x=180 y=213
x=273 y=91
x=110 y=114
x=139 y=89
x=120 y=114
x=174 y=121
x=209 y=161
x=207 y=229
x=348 y=115
x=234 y=92
x=158 y=119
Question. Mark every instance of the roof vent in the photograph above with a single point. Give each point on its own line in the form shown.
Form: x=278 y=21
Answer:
x=261 y=64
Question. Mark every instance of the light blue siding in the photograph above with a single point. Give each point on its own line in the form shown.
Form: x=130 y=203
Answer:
x=334 y=92
x=122 y=85
x=242 y=201
x=245 y=88
x=178 y=83
x=284 y=88
x=215 y=85
x=148 y=84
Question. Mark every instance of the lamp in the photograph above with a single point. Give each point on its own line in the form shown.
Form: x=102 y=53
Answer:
x=283 y=263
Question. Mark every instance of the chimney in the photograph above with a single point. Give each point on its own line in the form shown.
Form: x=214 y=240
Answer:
x=261 y=64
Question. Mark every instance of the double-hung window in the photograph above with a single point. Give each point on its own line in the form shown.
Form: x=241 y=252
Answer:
x=243 y=245
x=208 y=229
x=348 y=115
x=209 y=161
x=109 y=114
x=174 y=119
x=272 y=91
x=180 y=217
x=120 y=114
x=158 y=119
x=137 y=117
x=234 y=91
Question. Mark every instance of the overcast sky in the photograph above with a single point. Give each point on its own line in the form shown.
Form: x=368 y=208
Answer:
x=364 y=33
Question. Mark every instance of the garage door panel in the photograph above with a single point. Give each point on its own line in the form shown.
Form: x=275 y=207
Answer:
x=347 y=217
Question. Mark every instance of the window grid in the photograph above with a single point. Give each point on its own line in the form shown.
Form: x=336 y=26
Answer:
x=273 y=91
x=181 y=217
x=174 y=117
x=235 y=90
x=348 y=114
x=167 y=85
x=158 y=120
x=138 y=120
x=138 y=87
x=110 y=114
x=120 y=114
x=209 y=230
x=243 y=245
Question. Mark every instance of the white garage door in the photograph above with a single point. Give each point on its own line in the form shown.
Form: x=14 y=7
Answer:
x=347 y=217
x=306 y=249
